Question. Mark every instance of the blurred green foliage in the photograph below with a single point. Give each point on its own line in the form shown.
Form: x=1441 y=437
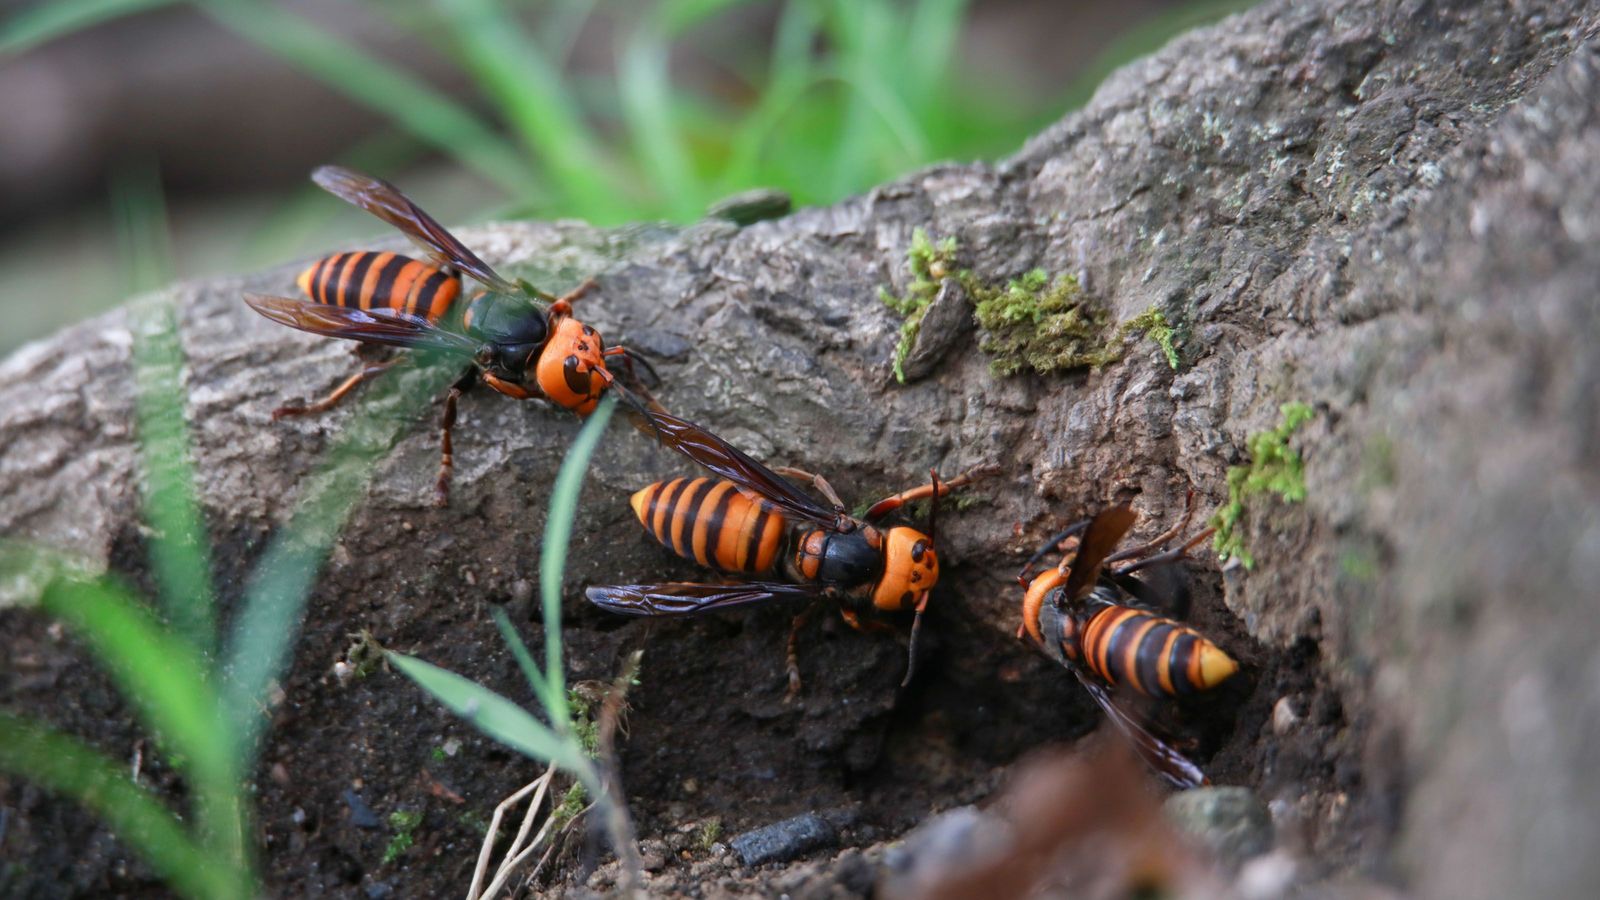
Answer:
x=204 y=703
x=826 y=98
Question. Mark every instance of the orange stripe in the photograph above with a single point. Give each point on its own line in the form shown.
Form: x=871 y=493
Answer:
x=1098 y=641
x=702 y=523
x=1165 y=662
x=641 y=501
x=440 y=302
x=307 y=282
x=754 y=518
x=683 y=514
x=772 y=529
x=731 y=539
x=1192 y=664
x=400 y=294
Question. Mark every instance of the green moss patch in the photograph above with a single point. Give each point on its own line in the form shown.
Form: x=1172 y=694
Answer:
x=1043 y=324
x=1036 y=322
x=404 y=823
x=1274 y=466
x=1153 y=324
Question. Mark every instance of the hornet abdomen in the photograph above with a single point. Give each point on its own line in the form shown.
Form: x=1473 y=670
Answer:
x=370 y=280
x=711 y=522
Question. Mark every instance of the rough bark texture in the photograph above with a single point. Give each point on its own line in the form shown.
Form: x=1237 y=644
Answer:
x=1389 y=211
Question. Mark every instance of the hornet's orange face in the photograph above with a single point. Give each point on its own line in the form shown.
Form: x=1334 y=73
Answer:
x=910 y=570
x=571 y=369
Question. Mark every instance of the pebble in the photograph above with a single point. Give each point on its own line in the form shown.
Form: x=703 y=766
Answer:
x=1231 y=821
x=361 y=815
x=1284 y=717
x=785 y=840
x=1267 y=876
x=754 y=205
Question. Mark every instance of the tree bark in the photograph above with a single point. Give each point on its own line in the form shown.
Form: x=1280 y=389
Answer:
x=1387 y=210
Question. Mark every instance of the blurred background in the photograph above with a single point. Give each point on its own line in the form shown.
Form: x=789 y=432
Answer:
x=145 y=140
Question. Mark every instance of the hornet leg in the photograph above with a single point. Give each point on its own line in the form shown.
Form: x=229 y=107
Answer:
x=817 y=481
x=447 y=424
x=792 y=660
x=338 y=394
x=890 y=504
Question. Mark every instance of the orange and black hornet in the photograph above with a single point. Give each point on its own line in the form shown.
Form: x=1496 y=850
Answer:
x=753 y=523
x=521 y=341
x=1094 y=618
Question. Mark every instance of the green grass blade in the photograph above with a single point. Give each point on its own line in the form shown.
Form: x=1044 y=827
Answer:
x=160 y=674
x=510 y=67
x=934 y=31
x=47 y=20
x=300 y=223
x=491 y=713
x=557 y=541
x=275 y=598
x=166 y=680
x=408 y=102
x=673 y=17
x=63 y=765
x=143 y=235
x=882 y=99
x=646 y=91
x=560 y=31
x=758 y=130
x=519 y=650
x=180 y=553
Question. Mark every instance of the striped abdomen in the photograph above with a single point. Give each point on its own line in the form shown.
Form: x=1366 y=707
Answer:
x=1151 y=654
x=369 y=280
x=712 y=523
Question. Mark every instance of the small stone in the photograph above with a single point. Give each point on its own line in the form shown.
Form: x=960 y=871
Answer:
x=754 y=205
x=949 y=317
x=361 y=815
x=785 y=840
x=1231 y=821
x=1284 y=717
x=1268 y=875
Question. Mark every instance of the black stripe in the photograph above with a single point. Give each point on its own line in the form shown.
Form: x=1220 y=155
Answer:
x=683 y=536
x=330 y=281
x=386 y=276
x=315 y=279
x=351 y=296
x=1116 y=644
x=1149 y=657
x=1178 y=662
x=752 y=544
x=666 y=500
x=714 y=520
x=430 y=287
